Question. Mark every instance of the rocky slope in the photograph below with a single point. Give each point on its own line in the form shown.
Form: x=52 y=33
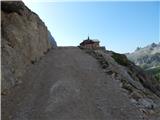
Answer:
x=74 y=84
x=25 y=39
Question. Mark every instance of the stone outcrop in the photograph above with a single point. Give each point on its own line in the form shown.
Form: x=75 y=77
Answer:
x=25 y=39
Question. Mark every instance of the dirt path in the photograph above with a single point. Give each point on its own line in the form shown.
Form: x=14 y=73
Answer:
x=68 y=84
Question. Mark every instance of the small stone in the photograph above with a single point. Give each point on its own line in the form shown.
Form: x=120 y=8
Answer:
x=147 y=103
x=4 y=93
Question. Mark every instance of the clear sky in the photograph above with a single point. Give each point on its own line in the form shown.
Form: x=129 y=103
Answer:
x=120 y=26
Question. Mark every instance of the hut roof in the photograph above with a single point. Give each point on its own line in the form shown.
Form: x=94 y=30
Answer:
x=89 y=42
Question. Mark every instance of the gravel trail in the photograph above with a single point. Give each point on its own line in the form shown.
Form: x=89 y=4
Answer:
x=68 y=84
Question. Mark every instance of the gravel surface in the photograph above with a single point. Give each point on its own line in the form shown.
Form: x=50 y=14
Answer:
x=68 y=84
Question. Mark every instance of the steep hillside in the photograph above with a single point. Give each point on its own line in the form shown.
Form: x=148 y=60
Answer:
x=147 y=58
x=136 y=74
x=25 y=39
x=68 y=84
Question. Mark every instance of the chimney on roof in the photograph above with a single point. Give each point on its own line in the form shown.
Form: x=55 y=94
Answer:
x=88 y=38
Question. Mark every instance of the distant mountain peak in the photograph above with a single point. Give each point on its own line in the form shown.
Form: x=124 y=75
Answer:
x=148 y=56
x=154 y=45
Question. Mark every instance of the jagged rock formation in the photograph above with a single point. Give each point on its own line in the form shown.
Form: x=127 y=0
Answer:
x=146 y=57
x=25 y=39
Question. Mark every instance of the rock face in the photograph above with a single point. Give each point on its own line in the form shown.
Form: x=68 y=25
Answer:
x=25 y=39
x=51 y=40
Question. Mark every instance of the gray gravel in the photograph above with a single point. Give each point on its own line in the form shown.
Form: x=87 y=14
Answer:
x=68 y=84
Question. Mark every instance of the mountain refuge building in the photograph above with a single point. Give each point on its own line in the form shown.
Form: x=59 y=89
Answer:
x=90 y=43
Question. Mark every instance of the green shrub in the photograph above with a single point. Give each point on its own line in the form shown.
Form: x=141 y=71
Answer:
x=120 y=59
x=155 y=72
x=157 y=76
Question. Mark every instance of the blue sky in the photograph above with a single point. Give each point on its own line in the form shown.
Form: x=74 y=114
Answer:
x=120 y=26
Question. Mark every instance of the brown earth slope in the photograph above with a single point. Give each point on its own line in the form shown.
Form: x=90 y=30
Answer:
x=68 y=84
